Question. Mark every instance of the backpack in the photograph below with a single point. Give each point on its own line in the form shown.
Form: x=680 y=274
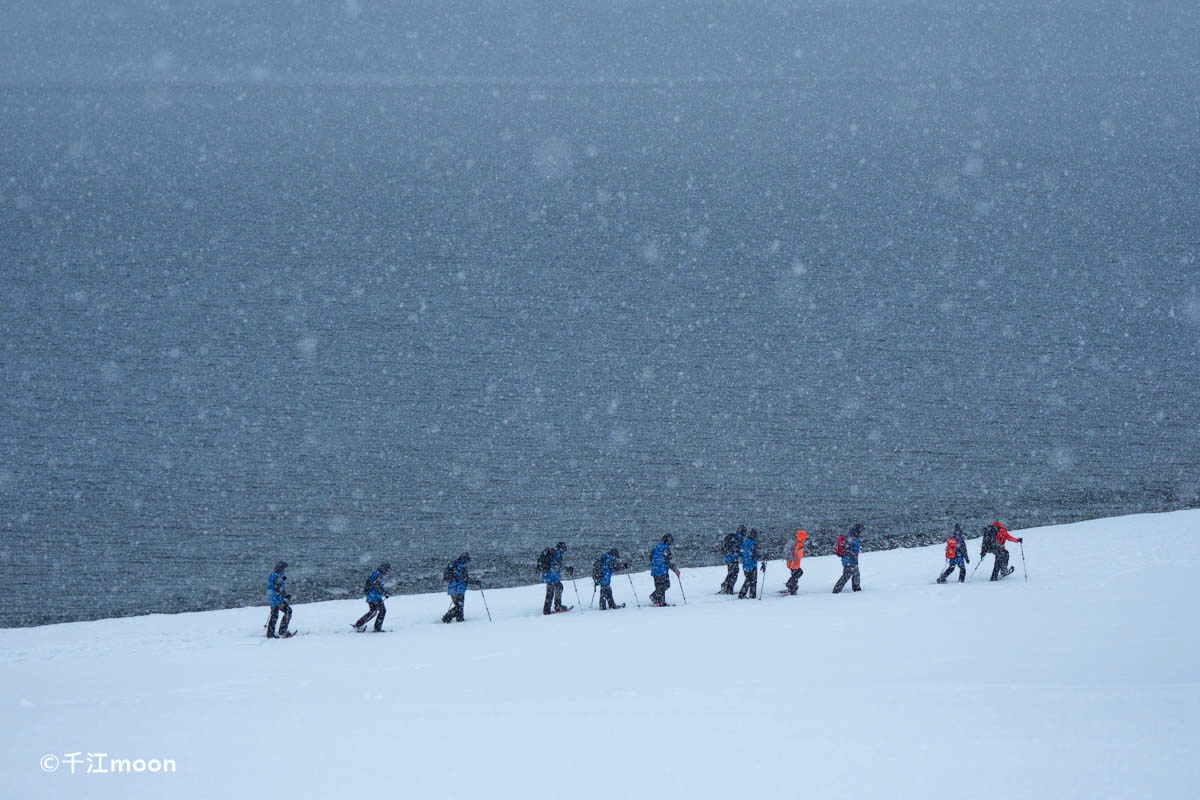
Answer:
x=951 y=547
x=448 y=573
x=730 y=543
x=839 y=545
x=545 y=559
x=598 y=569
x=989 y=540
x=369 y=584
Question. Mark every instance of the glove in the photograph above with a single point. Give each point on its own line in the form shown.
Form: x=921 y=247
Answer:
x=676 y=573
x=571 y=571
x=1020 y=541
x=287 y=597
x=967 y=559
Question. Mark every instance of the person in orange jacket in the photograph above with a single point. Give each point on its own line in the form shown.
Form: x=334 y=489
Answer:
x=794 y=562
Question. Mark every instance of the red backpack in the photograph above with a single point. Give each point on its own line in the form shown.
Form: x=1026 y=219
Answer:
x=951 y=547
x=839 y=545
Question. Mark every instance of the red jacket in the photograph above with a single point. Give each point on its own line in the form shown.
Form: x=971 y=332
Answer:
x=1002 y=535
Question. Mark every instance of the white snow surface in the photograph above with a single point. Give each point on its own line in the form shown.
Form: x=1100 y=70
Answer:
x=1080 y=681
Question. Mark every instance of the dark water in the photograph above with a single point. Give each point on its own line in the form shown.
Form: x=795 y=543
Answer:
x=341 y=324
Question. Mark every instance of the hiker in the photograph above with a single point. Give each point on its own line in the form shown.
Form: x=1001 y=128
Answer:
x=956 y=554
x=749 y=565
x=994 y=537
x=375 y=595
x=731 y=551
x=550 y=562
x=277 y=597
x=848 y=547
x=661 y=563
x=602 y=572
x=794 y=562
x=457 y=581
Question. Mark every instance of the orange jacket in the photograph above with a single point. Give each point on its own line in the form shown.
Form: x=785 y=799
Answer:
x=797 y=550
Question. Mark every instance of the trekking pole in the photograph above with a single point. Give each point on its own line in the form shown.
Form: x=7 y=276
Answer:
x=682 y=593
x=485 y=605
x=577 y=600
x=633 y=589
x=764 y=582
x=1022 y=544
x=593 y=596
x=977 y=563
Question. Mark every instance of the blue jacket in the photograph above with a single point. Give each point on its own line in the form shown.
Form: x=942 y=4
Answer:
x=731 y=553
x=276 y=588
x=375 y=582
x=556 y=560
x=851 y=550
x=608 y=564
x=660 y=559
x=749 y=554
x=458 y=585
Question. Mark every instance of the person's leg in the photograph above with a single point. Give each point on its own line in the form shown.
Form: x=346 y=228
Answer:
x=962 y=573
x=837 y=587
x=382 y=613
x=271 y=622
x=945 y=573
x=752 y=582
x=558 y=590
x=856 y=580
x=460 y=604
x=549 y=598
x=731 y=574
x=287 y=618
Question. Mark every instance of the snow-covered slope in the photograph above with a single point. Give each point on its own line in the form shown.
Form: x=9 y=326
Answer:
x=1081 y=681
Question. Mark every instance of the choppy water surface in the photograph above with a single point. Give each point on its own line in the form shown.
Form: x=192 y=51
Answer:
x=343 y=324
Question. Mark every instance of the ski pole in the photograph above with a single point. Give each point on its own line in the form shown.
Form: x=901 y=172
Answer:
x=633 y=589
x=485 y=605
x=764 y=581
x=1022 y=544
x=593 y=600
x=977 y=563
x=682 y=593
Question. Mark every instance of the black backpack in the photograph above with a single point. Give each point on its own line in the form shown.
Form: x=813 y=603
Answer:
x=989 y=541
x=598 y=569
x=545 y=559
x=369 y=584
x=448 y=572
x=730 y=544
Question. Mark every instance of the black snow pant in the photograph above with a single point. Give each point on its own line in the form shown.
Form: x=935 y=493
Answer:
x=553 y=597
x=1001 y=567
x=792 y=582
x=730 y=577
x=750 y=585
x=962 y=573
x=661 y=583
x=455 y=613
x=287 y=618
x=375 y=608
x=606 y=596
x=849 y=573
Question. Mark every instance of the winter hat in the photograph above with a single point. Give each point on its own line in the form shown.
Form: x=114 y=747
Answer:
x=857 y=529
x=281 y=566
x=668 y=539
x=465 y=558
x=385 y=567
x=614 y=553
x=560 y=546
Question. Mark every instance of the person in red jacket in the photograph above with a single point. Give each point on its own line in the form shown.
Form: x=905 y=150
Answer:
x=794 y=562
x=994 y=537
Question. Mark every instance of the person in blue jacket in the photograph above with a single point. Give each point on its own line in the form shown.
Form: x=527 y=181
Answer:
x=956 y=555
x=457 y=581
x=606 y=565
x=661 y=563
x=749 y=566
x=851 y=547
x=277 y=598
x=551 y=562
x=375 y=595
x=731 y=552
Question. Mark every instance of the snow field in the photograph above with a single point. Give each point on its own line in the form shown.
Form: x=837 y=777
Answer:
x=1082 y=681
